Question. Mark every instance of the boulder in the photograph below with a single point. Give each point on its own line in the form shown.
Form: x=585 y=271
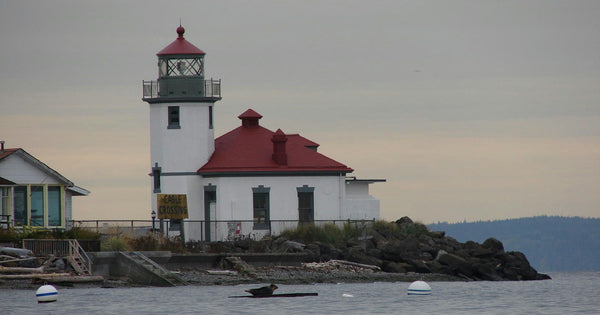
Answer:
x=404 y=220
x=458 y=264
x=356 y=254
x=494 y=245
x=292 y=247
x=394 y=267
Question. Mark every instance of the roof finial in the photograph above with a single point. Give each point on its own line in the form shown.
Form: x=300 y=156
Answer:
x=180 y=29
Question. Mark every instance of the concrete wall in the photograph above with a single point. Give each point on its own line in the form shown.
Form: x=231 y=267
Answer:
x=108 y=264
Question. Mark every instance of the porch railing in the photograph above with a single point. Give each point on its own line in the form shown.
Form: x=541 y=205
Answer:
x=5 y=221
x=68 y=248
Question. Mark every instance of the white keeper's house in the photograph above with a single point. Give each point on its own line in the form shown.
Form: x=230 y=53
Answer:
x=251 y=180
x=32 y=193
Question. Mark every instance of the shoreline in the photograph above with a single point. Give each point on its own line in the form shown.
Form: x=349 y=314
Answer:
x=276 y=274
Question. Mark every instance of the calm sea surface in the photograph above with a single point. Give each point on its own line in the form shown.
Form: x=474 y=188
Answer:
x=566 y=293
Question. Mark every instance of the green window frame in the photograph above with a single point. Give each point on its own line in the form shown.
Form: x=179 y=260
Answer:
x=38 y=208
x=54 y=206
x=260 y=206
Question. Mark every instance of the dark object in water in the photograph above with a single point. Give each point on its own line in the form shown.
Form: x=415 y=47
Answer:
x=276 y=295
x=263 y=291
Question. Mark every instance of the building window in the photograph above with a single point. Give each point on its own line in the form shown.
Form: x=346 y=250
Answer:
x=54 y=206
x=173 y=117
x=210 y=117
x=261 y=207
x=306 y=204
x=156 y=177
x=4 y=205
x=20 y=205
x=4 y=191
x=37 y=206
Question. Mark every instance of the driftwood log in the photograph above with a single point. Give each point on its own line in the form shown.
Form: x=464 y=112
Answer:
x=21 y=270
x=68 y=279
x=33 y=276
x=16 y=260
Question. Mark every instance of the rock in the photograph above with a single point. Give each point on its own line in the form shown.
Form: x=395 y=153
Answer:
x=404 y=220
x=456 y=263
x=437 y=234
x=357 y=255
x=16 y=252
x=243 y=244
x=292 y=247
x=394 y=267
x=420 y=266
x=494 y=245
x=236 y=263
x=314 y=250
x=440 y=253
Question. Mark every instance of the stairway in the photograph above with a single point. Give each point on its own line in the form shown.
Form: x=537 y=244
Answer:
x=156 y=274
x=78 y=259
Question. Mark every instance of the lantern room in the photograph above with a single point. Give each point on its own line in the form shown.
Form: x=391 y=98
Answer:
x=181 y=74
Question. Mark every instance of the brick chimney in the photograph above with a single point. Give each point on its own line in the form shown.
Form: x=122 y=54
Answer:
x=279 y=155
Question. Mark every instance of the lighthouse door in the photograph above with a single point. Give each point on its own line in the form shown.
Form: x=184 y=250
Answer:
x=210 y=205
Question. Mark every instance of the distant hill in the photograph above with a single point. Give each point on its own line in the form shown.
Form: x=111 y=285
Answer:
x=551 y=243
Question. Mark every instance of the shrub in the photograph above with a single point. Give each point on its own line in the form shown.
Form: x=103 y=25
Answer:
x=144 y=243
x=81 y=234
x=414 y=229
x=387 y=229
x=328 y=233
x=115 y=244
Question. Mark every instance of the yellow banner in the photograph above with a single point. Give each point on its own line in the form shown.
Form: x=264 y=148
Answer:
x=171 y=206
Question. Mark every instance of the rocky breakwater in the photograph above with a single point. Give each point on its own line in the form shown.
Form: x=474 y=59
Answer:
x=408 y=247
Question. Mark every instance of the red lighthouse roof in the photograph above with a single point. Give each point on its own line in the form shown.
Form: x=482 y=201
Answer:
x=249 y=149
x=180 y=46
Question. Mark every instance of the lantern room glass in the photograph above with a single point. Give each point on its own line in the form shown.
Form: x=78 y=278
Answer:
x=180 y=67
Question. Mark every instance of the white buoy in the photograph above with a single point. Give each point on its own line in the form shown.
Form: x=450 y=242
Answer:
x=46 y=294
x=419 y=288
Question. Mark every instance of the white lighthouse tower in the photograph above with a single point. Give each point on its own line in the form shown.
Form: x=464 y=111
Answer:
x=181 y=119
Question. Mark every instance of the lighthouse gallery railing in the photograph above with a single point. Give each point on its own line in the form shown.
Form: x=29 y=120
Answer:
x=212 y=88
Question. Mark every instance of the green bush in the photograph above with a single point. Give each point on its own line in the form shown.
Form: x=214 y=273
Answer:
x=144 y=243
x=328 y=233
x=387 y=229
x=414 y=229
x=32 y=232
x=115 y=244
x=391 y=229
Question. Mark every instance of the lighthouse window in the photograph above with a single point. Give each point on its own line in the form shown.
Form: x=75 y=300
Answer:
x=210 y=117
x=174 y=117
x=156 y=177
x=306 y=204
x=261 y=207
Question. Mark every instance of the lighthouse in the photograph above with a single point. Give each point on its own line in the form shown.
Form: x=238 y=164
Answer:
x=181 y=105
x=248 y=182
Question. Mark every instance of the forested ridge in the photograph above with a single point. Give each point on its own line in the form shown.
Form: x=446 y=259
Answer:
x=551 y=243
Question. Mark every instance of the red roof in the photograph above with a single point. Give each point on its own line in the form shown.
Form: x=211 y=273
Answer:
x=6 y=152
x=180 y=46
x=249 y=149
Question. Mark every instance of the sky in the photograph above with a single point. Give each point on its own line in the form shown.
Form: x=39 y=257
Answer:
x=471 y=110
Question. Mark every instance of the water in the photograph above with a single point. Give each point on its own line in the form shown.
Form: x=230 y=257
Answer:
x=566 y=293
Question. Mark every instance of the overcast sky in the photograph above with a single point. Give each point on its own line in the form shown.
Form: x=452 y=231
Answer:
x=472 y=110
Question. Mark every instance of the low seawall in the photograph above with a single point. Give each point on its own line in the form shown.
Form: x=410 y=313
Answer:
x=107 y=263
